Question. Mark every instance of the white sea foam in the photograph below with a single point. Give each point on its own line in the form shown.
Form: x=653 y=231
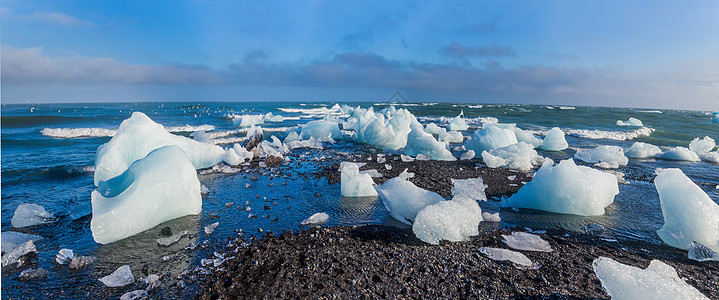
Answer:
x=481 y=121
x=567 y=107
x=70 y=133
x=314 y=112
x=651 y=111
x=610 y=135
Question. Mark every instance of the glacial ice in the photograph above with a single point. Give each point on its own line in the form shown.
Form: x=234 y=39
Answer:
x=231 y=158
x=520 y=156
x=121 y=277
x=13 y=256
x=321 y=129
x=64 y=256
x=527 y=241
x=642 y=150
x=679 y=153
x=136 y=294
x=202 y=137
x=138 y=136
x=631 y=122
x=524 y=136
x=458 y=123
x=554 y=140
x=455 y=220
x=32 y=274
x=657 y=281
x=451 y=137
x=385 y=130
x=242 y=153
x=209 y=229
x=566 y=188
x=701 y=146
x=354 y=184
x=700 y=252
x=12 y=239
x=472 y=188
x=689 y=214
x=318 y=218
x=712 y=157
x=248 y=120
x=612 y=155
x=30 y=215
x=489 y=138
x=79 y=262
x=489 y=217
x=158 y=188
x=403 y=199
x=434 y=129
x=467 y=155
x=174 y=238
x=421 y=142
x=519 y=259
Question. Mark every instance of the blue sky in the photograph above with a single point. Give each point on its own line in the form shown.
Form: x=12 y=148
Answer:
x=662 y=54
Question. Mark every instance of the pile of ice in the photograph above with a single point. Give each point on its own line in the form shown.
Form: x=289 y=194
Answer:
x=138 y=136
x=455 y=220
x=566 y=188
x=354 y=184
x=527 y=242
x=631 y=122
x=293 y=141
x=403 y=199
x=387 y=129
x=520 y=156
x=421 y=142
x=30 y=215
x=679 y=153
x=11 y=239
x=520 y=260
x=554 y=140
x=606 y=157
x=657 y=281
x=689 y=214
x=642 y=150
x=155 y=189
x=490 y=138
x=458 y=123
x=121 y=277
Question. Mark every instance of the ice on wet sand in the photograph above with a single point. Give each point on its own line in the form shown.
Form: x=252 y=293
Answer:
x=489 y=138
x=64 y=256
x=642 y=150
x=403 y=199
x=13 y=256
x=472 y=188
x=458 y=123
x=453 y=221
x=121 y=277
x=354 y=184
x=11 y=239
x=158 y=188
x=421 y=142
x=316 y=219
x=527 y=241
x=520 y=156
x=554 y=140
x=700 y=252
x=520 y=260
x=657 y=281
x=679 y=153
x=27 y=214
x=612 y=156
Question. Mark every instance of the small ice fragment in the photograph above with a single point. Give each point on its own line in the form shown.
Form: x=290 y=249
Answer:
x=136 y=294
x=209 y=229
x=12 y=239
x=30 y=274
x=593 y=229
x=658 y=281
x=381 y=159
x=248 y=209
x=512 y=177
x=64 y=256
x=152 y=281
x=79 y=262
x=355 y=184
x=406 y=158
x=527 y=241
x=554 y=140
x=204 y=190
x=520 y=260
x=642 y=150
x=631 y=122
x=229 y=204
x=700 y=252
x=472 y=188
x=467 y=155
x=423 y=157
x=372 y=173
x=31 y=214
x=13 y=256
x=121 y=277
x=488 y=217
x=167 y=241
x=388 y=167
x=317 y=218
x=434 y=129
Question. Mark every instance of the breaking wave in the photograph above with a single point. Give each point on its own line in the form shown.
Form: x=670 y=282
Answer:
x=610 y=135
x=70 y=133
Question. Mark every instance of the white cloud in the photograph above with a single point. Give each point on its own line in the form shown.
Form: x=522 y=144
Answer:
x=58 y=18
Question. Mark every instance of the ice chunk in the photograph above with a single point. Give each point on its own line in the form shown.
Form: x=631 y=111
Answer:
x=554 y=140
x=158 y=188
x=420 y=142
x=64 y=256
x=30 y=274
x=136 y=294
x=137 y=137
x=451 y=137
x=372 y=173
x=567 y=188
x=701 y=146
x=700 y=252
x=30 y=215
x=472 y=188
x=403 y=199
x=248 y=120
x=679 y=153
x=209 y=229
x=658 y=281
x=467 y=155
x=318 y=218
x=242 y=152
x=169 y=240
x=712 y=157
x=689 y=214
x=524 y=136
x=121 y=277
x=490 y=138
x=642 y=150
x=631 y=122
x=79 y=262
x=354 y=184
x=231 y=158
x=406 y=158
x=458 y=123
x=13 y=256
x=527 y=241
x=488 y=217
x=320 y=129
x=385 y=132
x=454 y=221
x=309 y=143
x=152 y=281
x=11 y=239
x=434 y=129
x=520 y=156
x=519 y=259
x=612 y=155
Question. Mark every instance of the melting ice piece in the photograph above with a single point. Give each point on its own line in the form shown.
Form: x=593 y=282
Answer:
x=612 y=155
x=30 y=215
x=489 y=138
x=527 y=241
x=700 y=252
x=31 y=274
x=13 y=256
x=689 y=214
x=472 y=188
x=354 y=184
x=658 y=281
x=451 y=137
x=467 y=155
x=209 y=229
x=434 y=129
x=242 y=152
x=121 y=277
x=320 y=129
x=567 y=188
x=631 y=122
x=458 y=123
x=79 y=262
x=167 y=241
x=137 y=137
x=318 y=218
x=520 y=156
x=524 y=136
x=403 y=199
x=152 y=281
x=454 y=221
x=136 y=294
x=248 y=120
x=420 y=142
x=593 y=228
x=554 y=140
x=158 y=188
x=712 y=157
x=520 y=260
x=11 y=239
x=489 y=217
x=64 y=256
x=642 y=150
x=701 y=146
x=679 y=153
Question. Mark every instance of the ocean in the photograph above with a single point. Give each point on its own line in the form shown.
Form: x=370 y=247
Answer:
x=48 y=153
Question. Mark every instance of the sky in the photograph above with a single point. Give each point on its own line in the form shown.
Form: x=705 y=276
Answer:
x=653 y=54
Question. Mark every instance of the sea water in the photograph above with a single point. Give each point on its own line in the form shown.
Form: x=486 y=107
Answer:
x=48 y=153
